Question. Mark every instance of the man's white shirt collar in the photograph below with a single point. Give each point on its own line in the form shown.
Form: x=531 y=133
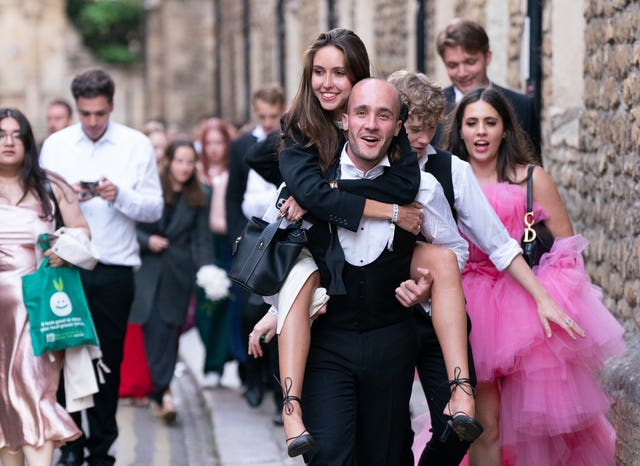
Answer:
x=422 y=161
x=459 y=95
x=350 y=171
x=259 y=133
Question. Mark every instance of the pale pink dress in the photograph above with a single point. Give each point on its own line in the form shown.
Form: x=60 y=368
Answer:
x=29 y=414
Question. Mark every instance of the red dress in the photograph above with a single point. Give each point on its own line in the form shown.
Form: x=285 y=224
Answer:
x=135 y=378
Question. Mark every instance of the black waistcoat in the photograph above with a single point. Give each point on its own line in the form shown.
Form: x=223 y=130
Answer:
x=370 y=300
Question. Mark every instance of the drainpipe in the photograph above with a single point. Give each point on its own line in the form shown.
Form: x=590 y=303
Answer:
x=246 y=32
x=217 y=60
x=421 y=33
x=534 y=80
x=281 y=38
x=332 y=14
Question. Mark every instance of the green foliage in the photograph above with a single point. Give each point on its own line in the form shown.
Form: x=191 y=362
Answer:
x=112 y=29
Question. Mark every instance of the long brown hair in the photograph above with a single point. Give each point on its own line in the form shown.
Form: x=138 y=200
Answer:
x=192 y=191
x=514 y=149
x=307 y=122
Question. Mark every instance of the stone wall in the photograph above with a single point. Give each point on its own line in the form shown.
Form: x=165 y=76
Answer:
x=42 y=53
x=607 y=188
x=179 y=69
x=390 y=37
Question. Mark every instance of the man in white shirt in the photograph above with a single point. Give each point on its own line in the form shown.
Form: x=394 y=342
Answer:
x=112 y=169
x=362 y=355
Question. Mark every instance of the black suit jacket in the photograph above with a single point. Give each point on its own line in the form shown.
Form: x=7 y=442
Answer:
x=164 y=283
x=304 y=178
x=238 y=173
x=523 y=106
x=263 y=157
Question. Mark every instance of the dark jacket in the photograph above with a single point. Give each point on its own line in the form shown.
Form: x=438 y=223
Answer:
x=304 y=178
x=164 y=283
x=238 y=173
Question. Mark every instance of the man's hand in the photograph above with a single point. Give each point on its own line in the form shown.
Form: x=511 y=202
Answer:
x=107 y=190
x=83 y=193
x=412 y=292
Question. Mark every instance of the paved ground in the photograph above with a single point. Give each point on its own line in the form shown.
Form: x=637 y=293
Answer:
x=246 y=436
x=215 y=427
x=145 y=441
x=242 y=435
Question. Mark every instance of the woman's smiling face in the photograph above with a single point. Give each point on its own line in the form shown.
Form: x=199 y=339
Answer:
x=329 y=80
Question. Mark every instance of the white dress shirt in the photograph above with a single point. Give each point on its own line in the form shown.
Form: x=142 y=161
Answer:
x=258 y=196
x=125 y=157
x=476 y=218
x=363 y=246
x=259 y=193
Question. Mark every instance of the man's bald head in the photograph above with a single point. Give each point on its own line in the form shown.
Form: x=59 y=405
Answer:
x=372 y=121
x=377 y=86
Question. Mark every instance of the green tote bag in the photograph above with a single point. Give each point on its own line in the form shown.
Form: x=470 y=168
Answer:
x=57 y=308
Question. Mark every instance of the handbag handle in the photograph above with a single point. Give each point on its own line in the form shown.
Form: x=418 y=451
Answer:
x=268 y=234
x=530 y=187
x=529 y=233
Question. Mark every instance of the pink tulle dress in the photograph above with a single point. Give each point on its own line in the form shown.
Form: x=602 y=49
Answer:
x=553 y=408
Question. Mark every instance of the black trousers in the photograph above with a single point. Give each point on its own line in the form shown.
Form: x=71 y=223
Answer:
x=260 y=372
x=109 y=292
x=434 y=380
x=356 y=395
x=161 y=348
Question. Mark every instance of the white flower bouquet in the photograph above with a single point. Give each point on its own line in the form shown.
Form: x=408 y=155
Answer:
x=214 y=281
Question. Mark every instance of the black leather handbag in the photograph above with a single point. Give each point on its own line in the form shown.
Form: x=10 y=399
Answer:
x=537 y=239
x=264 y=254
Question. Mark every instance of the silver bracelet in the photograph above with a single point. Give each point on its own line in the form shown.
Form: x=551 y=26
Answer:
x=394 y=216
x=273 y=310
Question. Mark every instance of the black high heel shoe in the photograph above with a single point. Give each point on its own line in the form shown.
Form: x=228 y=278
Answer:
x=467 y=428
x=303 y=442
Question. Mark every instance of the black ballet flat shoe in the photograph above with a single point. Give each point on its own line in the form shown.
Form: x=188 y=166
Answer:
x=466 y=427
x=301 y=444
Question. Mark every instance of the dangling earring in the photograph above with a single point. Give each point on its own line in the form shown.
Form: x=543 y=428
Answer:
x=504 y=135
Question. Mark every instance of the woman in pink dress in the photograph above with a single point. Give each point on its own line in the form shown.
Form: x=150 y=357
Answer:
x=32 y=423
x=539 y=395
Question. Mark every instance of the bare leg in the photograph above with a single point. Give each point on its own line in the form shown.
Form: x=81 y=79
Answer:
x=41 y=456
x=293 y=348
x=486 y=450
x=12 y=459
x=449 y=318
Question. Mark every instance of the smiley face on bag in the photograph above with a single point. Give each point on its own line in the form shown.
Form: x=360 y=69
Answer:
x=60 y=303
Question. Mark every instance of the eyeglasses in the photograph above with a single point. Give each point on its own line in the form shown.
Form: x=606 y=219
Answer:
x=15 y=136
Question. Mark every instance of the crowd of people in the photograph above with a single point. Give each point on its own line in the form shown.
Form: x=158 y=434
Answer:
x=413 y=198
